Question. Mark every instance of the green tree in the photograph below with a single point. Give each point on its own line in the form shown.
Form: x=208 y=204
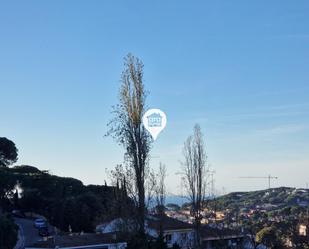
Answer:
x=8 y=152
x=31 y=200
x=128 y=130
x=63 y=201
x=160 y=242
x=7 y=183
x=8 y=233
x=269 y=237
x=176 y=246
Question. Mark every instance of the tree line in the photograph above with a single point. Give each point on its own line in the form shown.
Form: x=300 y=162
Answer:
x=64 y=201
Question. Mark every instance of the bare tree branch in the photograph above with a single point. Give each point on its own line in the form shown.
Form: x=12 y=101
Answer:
x=195 y=175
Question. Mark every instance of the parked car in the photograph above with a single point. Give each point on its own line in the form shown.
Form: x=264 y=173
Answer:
x=40 y=223
x=43 y=231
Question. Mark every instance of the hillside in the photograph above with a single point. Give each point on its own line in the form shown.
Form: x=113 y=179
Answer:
x=270 y=199
x=65 y=202
x=282 y=209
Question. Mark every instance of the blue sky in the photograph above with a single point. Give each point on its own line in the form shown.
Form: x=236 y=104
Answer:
x=238 y=68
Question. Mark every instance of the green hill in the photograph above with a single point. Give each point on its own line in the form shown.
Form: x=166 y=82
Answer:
x=63 y=201
x=270 y=199
x=282 y=208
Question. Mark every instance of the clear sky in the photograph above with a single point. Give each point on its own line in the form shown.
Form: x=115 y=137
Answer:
x=238 y=68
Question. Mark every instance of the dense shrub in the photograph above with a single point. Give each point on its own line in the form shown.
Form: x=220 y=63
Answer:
x=8 y=233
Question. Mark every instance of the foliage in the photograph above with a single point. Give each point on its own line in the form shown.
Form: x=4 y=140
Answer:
x=221 y=244
x=7 y=183
x=127 y=129
x=269 y=237
x=264 y=208
x=137 y=241
x=8 y=233
x=8 y=152
x=176 y=246
x=159 y=243
x=281 y=197
x=63 y=201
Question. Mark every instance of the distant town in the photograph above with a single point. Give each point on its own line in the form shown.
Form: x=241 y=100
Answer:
x=44 y=207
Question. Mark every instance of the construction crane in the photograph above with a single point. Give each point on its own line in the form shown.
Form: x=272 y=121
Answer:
x=269 y=177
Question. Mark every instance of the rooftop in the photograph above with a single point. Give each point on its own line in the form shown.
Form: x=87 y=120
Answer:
x=167 y=223
x=79 y=240
x=208 y=232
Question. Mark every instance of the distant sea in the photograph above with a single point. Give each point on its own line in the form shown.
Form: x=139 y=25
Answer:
x=176 y=200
